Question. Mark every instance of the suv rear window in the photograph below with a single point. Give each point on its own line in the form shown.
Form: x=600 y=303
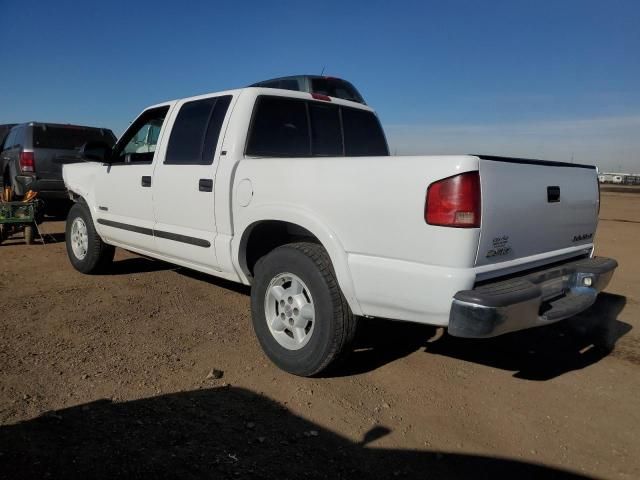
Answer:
x=68 y=138
x=280 y=128
x=334 y=87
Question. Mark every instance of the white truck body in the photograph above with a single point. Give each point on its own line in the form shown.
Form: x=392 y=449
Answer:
x=367 y=212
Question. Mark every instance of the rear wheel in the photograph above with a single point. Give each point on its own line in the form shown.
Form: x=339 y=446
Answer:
x=300 y=316
x=86 y=250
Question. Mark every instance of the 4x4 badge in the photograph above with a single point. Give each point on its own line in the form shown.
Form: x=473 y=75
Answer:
x=584 y=236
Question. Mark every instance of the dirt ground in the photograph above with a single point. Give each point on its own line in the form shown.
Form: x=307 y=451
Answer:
x=111 y=377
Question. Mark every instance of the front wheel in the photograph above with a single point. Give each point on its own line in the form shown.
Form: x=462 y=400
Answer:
x=300 y=316
x=86 y=250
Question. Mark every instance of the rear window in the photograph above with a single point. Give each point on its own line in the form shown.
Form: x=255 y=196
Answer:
x=363 y=134
x=279 y=129
x=326 y=134
x=68 y=138
x=286 y=127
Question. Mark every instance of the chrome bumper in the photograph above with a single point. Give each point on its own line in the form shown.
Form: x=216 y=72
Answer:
x=530 y=300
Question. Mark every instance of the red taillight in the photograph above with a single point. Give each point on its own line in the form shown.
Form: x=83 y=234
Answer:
x=454 y=201
x=319 y=96
x=27 y=162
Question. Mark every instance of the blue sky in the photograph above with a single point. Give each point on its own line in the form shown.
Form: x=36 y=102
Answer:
x=555 y=79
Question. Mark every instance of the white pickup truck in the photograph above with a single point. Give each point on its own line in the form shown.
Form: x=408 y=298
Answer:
x=296 y=194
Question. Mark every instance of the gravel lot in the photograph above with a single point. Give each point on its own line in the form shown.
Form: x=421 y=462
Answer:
x=153 y=372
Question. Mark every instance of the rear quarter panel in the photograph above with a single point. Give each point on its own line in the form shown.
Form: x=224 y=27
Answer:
x=368 y=212
x=373 y=205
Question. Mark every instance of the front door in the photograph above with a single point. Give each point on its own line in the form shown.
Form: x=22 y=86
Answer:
x=183 y=182
x=124 y=187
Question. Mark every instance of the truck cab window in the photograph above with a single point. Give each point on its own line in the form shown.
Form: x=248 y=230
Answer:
x=287 y=127
x=138 y=144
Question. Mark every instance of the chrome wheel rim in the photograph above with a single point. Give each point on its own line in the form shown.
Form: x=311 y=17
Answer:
x=79 y=238
x=289 y=311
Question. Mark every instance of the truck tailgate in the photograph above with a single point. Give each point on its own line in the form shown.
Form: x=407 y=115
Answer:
x=531 y=207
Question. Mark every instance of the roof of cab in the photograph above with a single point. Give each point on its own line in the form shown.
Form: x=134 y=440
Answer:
x=255 y=91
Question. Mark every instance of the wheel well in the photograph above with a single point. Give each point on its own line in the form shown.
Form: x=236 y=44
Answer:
x=262 y=237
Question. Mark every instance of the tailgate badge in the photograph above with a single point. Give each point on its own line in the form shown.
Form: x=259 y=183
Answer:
x=500 y=247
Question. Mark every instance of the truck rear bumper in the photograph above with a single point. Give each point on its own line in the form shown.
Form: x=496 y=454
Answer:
x=530 y=300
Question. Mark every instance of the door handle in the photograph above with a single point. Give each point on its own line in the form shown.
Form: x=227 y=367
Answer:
x=205 y=185
x=146 y=181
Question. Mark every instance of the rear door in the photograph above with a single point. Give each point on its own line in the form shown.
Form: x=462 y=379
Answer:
x=533 y=207
x=183 y=181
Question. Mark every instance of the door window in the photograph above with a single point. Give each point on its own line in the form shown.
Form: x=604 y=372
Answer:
x=138 y=144
x=195 y=133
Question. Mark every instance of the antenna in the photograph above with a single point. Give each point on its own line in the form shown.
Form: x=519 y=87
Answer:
x=323 y=67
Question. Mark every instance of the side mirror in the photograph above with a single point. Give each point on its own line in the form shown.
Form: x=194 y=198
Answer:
x=97 y=150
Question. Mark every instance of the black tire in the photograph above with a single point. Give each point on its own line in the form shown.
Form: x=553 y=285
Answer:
x=98 y=255
x=29 y=234
x=334 y=324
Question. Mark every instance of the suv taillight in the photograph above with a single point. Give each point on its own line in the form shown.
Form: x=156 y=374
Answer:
x=454 y=201
x=27 y=162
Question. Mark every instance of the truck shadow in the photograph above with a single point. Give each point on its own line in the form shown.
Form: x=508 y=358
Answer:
x=215 y=281
x=535 y=354
x=222 y=433
x=138 y=265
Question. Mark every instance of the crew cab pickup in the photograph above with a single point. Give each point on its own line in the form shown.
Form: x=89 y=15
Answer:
x=295 y=194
